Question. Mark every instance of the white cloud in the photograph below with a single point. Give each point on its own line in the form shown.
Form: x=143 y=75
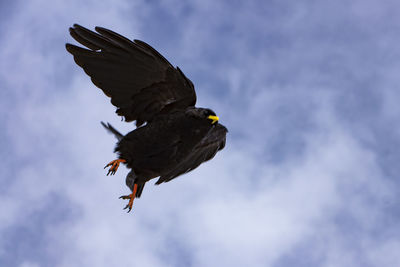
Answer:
x=242 y=208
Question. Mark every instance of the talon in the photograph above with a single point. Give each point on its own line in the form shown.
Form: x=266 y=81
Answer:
x=128 y=207
x=131 y=197
x=114 y=166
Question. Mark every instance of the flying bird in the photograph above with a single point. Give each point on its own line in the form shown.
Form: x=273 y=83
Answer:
x=172 y=136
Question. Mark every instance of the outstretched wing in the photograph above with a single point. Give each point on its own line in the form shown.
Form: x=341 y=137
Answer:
x=139 y=80
x=205 y=150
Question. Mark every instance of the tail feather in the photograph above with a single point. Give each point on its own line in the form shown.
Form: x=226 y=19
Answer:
x=112 y=130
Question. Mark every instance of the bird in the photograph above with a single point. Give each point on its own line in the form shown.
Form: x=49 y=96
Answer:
x=172 y=136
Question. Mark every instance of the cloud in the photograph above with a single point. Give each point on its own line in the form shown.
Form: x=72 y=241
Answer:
x=307 y=176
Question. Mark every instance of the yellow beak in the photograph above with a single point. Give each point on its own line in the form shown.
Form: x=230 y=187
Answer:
x=213 y=118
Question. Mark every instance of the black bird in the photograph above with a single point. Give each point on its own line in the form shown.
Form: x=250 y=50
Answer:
x=172 y=135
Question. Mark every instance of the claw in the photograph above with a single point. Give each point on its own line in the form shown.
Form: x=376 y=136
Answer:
x=114 y=166
x=131 y=197
x=128 y=207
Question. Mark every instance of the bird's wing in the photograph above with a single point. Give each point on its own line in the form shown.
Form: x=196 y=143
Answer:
x=205 y=150
x=139 y=80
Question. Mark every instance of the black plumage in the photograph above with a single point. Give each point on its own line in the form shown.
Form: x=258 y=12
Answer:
x=177 y=137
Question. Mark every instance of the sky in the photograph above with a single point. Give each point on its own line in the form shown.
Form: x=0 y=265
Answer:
x=309 y=175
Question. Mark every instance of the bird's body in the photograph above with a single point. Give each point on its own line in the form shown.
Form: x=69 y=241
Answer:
x=177 y=136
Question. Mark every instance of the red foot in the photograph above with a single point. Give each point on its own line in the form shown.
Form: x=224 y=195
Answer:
x=131 y=197
x=114 y=166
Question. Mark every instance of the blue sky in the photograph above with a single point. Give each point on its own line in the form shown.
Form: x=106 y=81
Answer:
x=310 y=173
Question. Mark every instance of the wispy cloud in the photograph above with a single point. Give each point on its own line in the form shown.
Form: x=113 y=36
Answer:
x=308 y=177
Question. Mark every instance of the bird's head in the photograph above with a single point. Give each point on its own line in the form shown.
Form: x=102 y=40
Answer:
x=204 y=114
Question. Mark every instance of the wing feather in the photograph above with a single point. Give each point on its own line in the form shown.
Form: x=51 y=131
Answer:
x=139 y=80
x=209 y=146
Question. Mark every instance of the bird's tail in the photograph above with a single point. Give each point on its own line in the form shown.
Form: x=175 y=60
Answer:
x=112 y=130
